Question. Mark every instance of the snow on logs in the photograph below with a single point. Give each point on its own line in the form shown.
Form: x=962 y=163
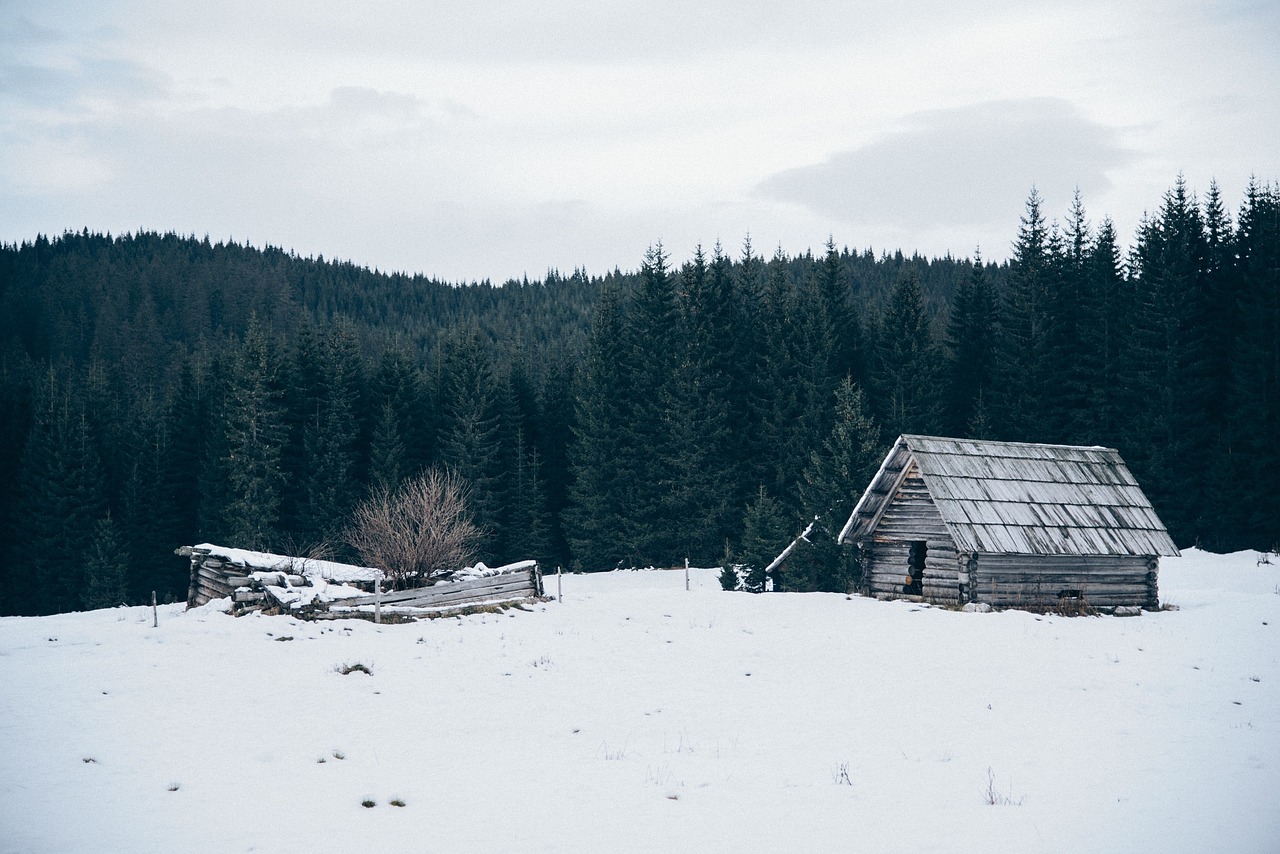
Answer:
x=315 y=588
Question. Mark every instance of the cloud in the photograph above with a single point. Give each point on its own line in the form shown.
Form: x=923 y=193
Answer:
x=84 y=79
x=20 y=32
x=964 y=166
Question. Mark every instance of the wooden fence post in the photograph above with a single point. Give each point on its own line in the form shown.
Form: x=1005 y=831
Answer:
x=559 y=586
x=155 y=617
x=377 y=602
x=686 y=573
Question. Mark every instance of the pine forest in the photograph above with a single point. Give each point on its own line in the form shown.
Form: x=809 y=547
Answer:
x=159 y=390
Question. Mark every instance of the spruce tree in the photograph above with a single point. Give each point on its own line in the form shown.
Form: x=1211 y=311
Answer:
x=106 y=568
x=1070 y=365
x=1167 y=440
x=45 y=477
x=331 y=438
x=255 y=438
x=398 y=384
x=555 y=433
x=1022 y=356
x=386 y=453
x=148 y=523
x=764 y=536
x=186 y=427
x=785 y=397
x=841 y=322
x=819 y=565
x=303 y=384
x=213 y=480
x=1105 y=335
x=752 y=390
x=17 y=382
x=528 y=532
x=598 y=518
x=840 y=469
x=703 y=457
x=653 y=353
x=837 y=473
x=971 y=343
x=470 y=432
x=1251 y=505
x=907 y=379
x=63 y=492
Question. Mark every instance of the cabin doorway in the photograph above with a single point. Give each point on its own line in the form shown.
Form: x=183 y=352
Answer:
x=914 y=582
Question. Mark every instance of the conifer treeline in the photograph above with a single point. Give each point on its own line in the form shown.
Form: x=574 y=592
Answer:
x=158 y=391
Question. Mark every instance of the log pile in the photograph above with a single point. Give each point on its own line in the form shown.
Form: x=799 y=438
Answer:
x=258 y=581
x=521 y=583
x=215 y=576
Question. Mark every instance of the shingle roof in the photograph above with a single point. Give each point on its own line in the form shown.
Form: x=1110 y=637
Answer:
x=1019 y=498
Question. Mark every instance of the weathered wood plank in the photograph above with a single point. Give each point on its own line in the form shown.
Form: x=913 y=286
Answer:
x=1073 y=578
x=214 y=585
x=514 y=590
x=247 y=581
x=472 y=587
x=1126 y=561
x=212 y=574
x=1060 y=580
x=1007 y=595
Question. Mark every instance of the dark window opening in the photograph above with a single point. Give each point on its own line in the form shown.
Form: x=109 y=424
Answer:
x=914 y=582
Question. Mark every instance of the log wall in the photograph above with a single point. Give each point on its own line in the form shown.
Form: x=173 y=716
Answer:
x=1044 y=581
x=487 y=589
x=911 y=516
x=209 y=579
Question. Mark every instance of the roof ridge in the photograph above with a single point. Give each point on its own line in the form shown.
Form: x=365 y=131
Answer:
x=1007 y=443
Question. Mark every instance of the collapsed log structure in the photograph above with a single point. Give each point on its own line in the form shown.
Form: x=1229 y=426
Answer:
x=261 y=579
x=319 y=588
x=481 y=586
x=954 y=521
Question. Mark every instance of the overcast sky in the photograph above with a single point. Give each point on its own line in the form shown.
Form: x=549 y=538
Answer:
x=472 y=140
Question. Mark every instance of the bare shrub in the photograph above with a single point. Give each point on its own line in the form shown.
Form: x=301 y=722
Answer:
x=996 y=798
x=416 y=531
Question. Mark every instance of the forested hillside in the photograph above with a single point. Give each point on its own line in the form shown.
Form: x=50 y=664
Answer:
x=157 y=390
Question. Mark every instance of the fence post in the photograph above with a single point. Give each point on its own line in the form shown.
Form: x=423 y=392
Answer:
x=686 y=573
x=155 y=617
x=559 y=586
x=377 y=601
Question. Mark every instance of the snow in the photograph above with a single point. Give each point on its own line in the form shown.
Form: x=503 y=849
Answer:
x=313 y=568
x=481 y=571
x=319 y=591
x=804 y=535
x=637 y=716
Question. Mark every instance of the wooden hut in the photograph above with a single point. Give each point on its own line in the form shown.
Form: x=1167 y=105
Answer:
x=955 y=521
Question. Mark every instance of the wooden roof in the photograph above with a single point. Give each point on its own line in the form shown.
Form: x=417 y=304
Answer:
x=1020 y=498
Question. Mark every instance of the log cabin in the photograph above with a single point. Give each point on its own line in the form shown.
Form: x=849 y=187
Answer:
x=1011 y=524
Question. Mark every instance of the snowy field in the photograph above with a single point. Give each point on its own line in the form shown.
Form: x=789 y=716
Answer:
x=637 y=716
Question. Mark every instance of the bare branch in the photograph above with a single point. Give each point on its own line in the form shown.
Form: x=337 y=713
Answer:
x=416 y=531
